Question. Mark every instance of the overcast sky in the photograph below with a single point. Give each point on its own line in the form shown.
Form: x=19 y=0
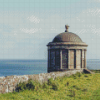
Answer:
x=26 y=26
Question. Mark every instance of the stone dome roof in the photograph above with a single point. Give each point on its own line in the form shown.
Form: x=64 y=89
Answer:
x=67 y=37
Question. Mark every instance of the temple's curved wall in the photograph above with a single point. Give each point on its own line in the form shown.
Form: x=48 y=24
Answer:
x=63 y=59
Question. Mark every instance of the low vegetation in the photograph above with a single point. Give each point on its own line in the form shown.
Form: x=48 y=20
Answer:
x=76 y=87
x=96 y=71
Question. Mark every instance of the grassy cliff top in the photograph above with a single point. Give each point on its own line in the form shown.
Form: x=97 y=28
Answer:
x=75 y=87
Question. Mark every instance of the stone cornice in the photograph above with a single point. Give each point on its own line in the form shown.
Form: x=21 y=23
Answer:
x=67 y=44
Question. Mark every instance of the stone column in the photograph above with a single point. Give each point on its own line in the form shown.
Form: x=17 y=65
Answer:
x=72 y=58
x=78 y=59
x=82 y=58
x=68 y=58
x=85 y=58
x=60 y=59
x=48 y=60
x=75 y=63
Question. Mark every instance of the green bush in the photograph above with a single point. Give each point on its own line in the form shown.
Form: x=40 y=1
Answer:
x=78 y=74
x=24 y=86
x=45 y=85
x=96 y=71
x=67 y=84
x=72 y=93
x=30 y=85
x=84 y=90
x=53 y=83
x=76 y=87
x=85 y=75
x=50 y=81
x=21 y=86
x=55 y=86
x=73 y=76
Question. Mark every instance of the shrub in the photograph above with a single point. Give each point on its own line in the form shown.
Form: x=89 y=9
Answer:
x=96 y=71
x=78 y=74
x=21 y=86
x=73 y=76
x=72 y=93
x=53 y=83
x=50 y=81
x=55 y=86
x=67 y=84
x=45 y=85
x=85 y=76
x=30 y=85
x=84 y=90
x=76 y=87
x=24 y=86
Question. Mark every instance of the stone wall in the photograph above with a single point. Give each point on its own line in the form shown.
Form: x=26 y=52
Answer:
x=8 y=83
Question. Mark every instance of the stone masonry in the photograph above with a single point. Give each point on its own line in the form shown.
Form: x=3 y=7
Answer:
x=8 y=83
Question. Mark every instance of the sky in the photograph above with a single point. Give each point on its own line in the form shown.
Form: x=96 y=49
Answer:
x=27 y=26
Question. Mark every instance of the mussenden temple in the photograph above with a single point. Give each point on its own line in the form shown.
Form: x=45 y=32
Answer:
x=66 y=52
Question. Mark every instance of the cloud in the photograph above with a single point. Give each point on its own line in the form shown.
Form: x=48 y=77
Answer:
x=30 y=31
x=87 y=26
x=15 y=27
x=34 y=19
x=90 y=20
x=21 y=31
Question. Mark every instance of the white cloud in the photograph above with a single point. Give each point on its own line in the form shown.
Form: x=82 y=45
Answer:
x=30 y=31
x=34 y=19
x=87 y=26
x=90 y=20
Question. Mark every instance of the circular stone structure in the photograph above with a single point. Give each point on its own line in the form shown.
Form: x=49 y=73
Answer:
x=66 y=51
x=67 y=37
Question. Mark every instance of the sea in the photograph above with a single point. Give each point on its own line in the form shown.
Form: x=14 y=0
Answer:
x=28 y=67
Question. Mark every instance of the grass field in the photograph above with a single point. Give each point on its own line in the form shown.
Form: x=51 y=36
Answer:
x=75 y=87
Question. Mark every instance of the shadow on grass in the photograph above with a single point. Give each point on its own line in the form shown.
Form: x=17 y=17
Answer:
x=72 y=93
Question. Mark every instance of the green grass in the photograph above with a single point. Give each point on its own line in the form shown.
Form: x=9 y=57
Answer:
x=96 y=71
x=75 y=87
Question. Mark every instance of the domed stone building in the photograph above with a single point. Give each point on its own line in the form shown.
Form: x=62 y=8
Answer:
x=66 y=51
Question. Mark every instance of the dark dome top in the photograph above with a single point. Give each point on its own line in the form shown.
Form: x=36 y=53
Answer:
x=67 y=37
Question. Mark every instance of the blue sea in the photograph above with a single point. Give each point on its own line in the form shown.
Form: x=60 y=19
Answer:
x=28 y=67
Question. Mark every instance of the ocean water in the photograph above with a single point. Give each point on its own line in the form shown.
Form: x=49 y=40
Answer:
x=28 y=67
x=22 y=67
x=93 y=64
